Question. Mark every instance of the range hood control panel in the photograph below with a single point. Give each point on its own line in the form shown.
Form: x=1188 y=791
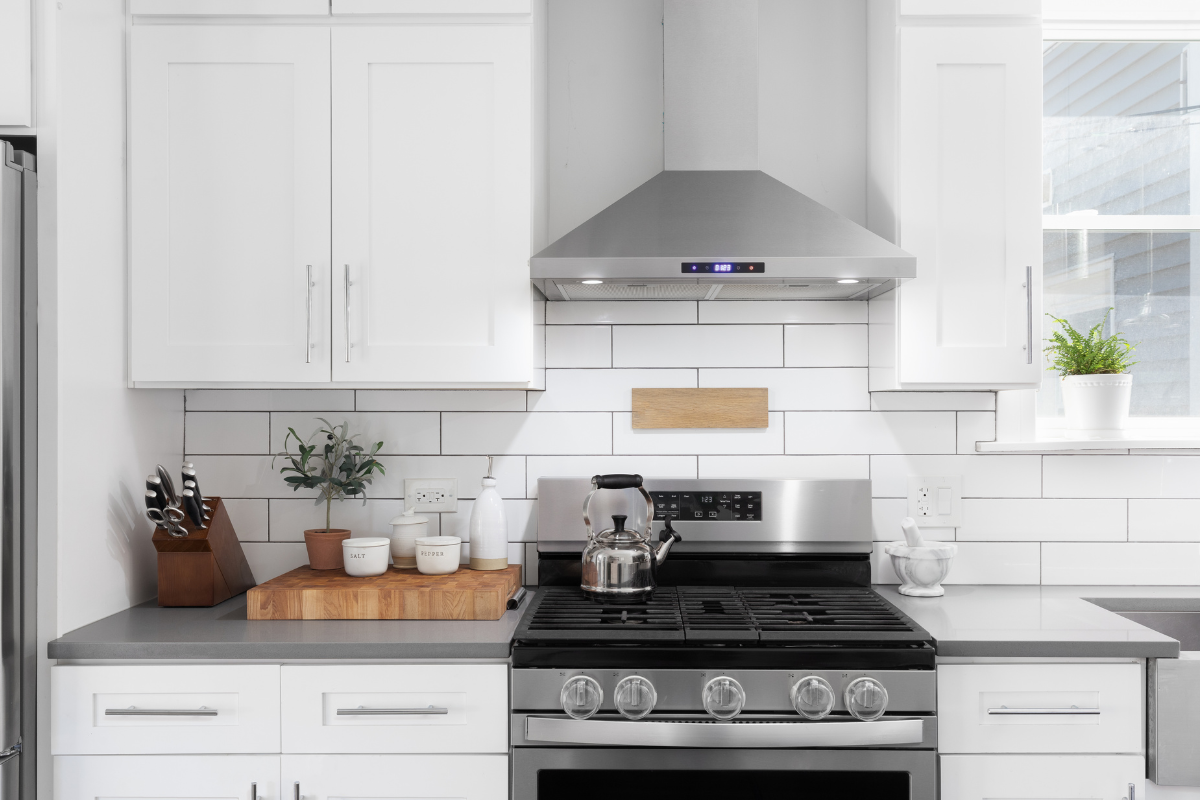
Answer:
x=711 y=506
x=723 y=267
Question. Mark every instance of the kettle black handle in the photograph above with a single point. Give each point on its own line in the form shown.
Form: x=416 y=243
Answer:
x=617 y=481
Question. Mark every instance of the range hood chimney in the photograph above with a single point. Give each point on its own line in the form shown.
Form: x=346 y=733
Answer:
x=712 y=225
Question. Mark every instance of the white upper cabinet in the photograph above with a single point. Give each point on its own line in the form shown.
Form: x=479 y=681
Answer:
x=431 y=204
x=431 y=6
x=956 y=148
x=16 y=63
x=229 y=191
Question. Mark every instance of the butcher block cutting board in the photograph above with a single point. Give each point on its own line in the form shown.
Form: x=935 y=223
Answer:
x=306 y=593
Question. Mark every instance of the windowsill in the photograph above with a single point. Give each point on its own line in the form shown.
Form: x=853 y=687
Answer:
x=1143 y=434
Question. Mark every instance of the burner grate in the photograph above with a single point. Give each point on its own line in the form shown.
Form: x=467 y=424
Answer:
x=567 y=613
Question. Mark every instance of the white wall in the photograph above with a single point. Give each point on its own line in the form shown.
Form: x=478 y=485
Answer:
x=108 y=437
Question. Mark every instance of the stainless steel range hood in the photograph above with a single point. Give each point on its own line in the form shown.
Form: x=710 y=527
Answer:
x=645 y=245
x=712 y=225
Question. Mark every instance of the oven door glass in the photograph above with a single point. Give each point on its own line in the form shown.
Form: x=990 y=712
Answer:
x=556 y=784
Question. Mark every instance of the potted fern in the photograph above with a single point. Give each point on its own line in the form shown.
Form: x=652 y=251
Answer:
x=332 y=462
x=1093 y=368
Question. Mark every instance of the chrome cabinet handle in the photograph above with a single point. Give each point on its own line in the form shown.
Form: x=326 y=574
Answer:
x=297 y=790
x=1029 y=315
x=308 y=320
x=1072 y=711
x=389 y=712
x=348 y=285
x=253 y=791
x=160 y=712
x=1132 y=796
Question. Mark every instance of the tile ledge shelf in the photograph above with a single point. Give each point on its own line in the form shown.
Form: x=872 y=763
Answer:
x=1133 y=439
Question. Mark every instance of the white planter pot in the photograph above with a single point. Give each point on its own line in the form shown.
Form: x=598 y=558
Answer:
x=1097 y=402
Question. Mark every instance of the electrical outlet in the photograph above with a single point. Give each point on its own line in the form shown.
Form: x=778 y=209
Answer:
x=431 y=494
x=935 y=501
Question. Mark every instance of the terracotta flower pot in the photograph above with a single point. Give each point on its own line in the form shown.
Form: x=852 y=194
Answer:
x=325 y=547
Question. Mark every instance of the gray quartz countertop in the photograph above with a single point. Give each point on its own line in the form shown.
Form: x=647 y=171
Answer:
x=223 y=632
x=1046 y=621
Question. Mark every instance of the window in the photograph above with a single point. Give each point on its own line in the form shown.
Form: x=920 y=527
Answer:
x=1121 y=165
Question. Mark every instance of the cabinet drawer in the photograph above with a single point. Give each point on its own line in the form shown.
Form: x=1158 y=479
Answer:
x=333 y=777
x=1042 y=777
x=161 y=709
x=1040 y=708
x=427 y=708
x=166 y=777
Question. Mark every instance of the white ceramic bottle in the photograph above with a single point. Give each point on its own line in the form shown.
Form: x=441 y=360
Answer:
x=489 y=527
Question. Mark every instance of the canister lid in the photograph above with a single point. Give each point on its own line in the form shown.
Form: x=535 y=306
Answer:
x=434 y=540
x=409 y=518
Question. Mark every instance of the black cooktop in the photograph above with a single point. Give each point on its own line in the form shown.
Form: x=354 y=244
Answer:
x=733 y=624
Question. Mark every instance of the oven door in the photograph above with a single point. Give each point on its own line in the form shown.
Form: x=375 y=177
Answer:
x=552 y=773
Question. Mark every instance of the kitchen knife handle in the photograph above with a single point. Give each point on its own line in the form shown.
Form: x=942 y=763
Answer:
x=348 y=285
x=308 y=316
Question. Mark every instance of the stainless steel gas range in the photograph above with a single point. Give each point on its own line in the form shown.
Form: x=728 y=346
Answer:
x=763 y=663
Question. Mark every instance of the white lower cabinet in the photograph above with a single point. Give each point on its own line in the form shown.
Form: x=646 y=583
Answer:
x=1042 y=777
x=475 y=777
x=166 y=777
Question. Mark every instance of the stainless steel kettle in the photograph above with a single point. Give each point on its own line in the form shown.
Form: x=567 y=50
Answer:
x=620 y=565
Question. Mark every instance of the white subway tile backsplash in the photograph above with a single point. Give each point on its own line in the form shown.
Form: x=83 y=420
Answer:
x=976 y=562
x=798 y=389
x=621 y=312
x=870 y=432
x=520 y=514
x=811 y=467
x=1121 y=564
x=933 y=401
x=329 y=400
x=758 y=312
x=586 y=466
x=586 y=346
x=825 y=345
x=702 y=441
x=975 y=426
x=885 y=522
x=983 y=475
x=603 y=389
x=554 y=433
x=1038 y=520
x=697 y=346
x=269 y=560
x=290 y=518
x=242 y=476
x=402 y=432
x=249 y=519
x=1121 y=476
x=509 y=472
x=448 y=400
x=227 y=432
x=1164 y=520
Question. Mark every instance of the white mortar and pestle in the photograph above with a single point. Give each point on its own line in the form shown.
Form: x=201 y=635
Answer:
x=920 y=567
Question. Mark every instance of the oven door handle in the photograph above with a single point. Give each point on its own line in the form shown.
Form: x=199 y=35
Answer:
x=732 y=734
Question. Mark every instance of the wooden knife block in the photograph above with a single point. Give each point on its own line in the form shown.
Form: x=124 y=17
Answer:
x=205 y=568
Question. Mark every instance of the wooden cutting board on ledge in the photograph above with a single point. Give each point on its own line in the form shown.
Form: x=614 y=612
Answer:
x=306 y=593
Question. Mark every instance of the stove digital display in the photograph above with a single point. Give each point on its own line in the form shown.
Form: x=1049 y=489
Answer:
x=723 y=267
x=708 y=506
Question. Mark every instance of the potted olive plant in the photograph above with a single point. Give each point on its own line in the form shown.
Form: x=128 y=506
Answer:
x=332 y=462
x=1093 y=369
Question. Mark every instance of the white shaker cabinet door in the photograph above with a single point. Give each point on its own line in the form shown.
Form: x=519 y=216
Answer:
x=229 y=196
x=167 y=777
x=1104 y=777
x=969 y=208
x=16 y=63
x=412 y=777
x=431 y=204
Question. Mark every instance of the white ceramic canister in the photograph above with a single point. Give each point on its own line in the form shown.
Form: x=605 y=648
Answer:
x=488 y=531
x=406 y=529
x=366 y=556
x=438 y=555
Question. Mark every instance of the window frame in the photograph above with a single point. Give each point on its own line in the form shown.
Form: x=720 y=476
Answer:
x=1018 y=428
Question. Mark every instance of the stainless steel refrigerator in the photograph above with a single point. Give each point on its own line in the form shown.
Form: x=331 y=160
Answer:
x=18 y=470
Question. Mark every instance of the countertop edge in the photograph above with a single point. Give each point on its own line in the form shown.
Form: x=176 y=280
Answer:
x=1061 y=649
x=317 y=651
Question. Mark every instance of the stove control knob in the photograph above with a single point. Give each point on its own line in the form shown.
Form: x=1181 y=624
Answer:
x=724 y=697
x=812 y=697
x=866 y=698
x=634 y=697
x=581 y=697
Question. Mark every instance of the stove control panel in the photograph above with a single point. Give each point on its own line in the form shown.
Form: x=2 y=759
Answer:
x=713 y=506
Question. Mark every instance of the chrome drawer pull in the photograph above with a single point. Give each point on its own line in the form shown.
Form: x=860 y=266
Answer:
x=161 y=712
x=1072 y=711
x=388 y=712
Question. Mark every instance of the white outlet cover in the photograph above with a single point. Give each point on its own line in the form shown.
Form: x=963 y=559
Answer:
x=415 y=488
x=935 y=501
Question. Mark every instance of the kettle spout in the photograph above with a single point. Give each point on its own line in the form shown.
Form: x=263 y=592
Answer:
x=667 y=539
